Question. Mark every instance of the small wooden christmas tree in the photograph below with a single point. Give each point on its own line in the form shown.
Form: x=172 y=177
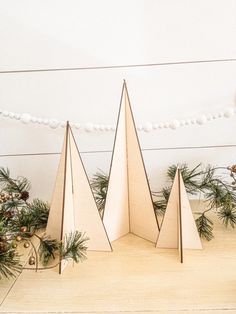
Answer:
x=178 y=228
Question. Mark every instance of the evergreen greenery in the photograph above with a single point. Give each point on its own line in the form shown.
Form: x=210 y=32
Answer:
x=74 y=247
x=99 y=185
x=21 y=220
x=9 y=263
x=208 y=183
x=205 y=226
x=47 y=249
x=217 y=191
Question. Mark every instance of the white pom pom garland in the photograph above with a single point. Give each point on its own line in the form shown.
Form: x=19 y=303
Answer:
x=147 y=127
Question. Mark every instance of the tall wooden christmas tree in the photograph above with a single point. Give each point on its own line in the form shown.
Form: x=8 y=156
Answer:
x=129 y=207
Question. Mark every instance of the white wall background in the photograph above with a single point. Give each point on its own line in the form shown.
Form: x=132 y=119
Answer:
x=54 y=34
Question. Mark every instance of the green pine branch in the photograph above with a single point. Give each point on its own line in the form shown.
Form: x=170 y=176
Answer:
x=205 y=227
x=10 y=264
x=228 y=216
x=99 y=184
x=74 y=246
x=10 y=185
x=47 y=249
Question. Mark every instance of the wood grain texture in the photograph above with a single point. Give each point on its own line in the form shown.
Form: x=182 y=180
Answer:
x=135 y=278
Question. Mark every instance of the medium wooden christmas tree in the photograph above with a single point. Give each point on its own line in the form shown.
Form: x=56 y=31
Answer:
x=73 y=206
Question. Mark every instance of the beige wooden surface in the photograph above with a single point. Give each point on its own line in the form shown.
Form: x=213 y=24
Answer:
x=135 y=278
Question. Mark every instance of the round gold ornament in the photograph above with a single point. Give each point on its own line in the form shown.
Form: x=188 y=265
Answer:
x=32 y=260
x=14 y=245
x=18 y=238
x=26 y=245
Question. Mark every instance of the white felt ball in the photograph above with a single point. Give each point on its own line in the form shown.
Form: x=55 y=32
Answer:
x=209 y=117
x=188 y=122
x=166 y=125
x=201 y=120
x=229 y=112
x=77 y=126
x=11 y=115
x=161 y=125
x=25 y=118
x=53 y=123
x=39 y=120
x=88 y=127
x=45 y=121
x=155 y=126
x=101 y=127
x=108 y=127
x=147 y=127
x=5 y=113
x=220 y=114
x=174 y=124
x=62 y=124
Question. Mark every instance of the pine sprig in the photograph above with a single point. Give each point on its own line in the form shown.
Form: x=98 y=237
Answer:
x=74 y=247
x=39 y=211
x=99 y=184
x=10 y=264
x=159 y=206
x=228 y=216
x=10 y=185
x=190 y=176
x=205 y=227
x=47 y=249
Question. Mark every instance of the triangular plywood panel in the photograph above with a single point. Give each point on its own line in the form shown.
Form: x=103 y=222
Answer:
x=168 y=236
x=178 y=229
x=60 y=223
x=116 y=213
x=129 y=206
x=190 y=235
x=73 y=206
x=86 y=215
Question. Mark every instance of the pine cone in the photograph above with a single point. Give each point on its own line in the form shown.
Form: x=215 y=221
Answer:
x=3 y=247
x=8 y=214
x=233 y=168
x=24 y=195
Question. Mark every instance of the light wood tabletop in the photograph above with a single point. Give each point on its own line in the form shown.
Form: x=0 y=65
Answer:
x=135 y=278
